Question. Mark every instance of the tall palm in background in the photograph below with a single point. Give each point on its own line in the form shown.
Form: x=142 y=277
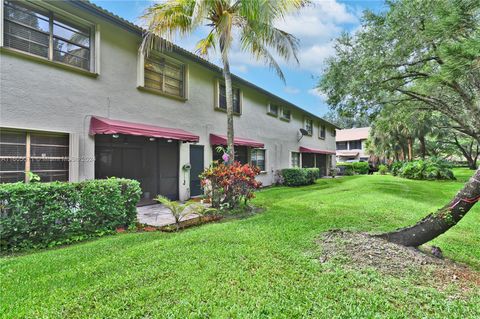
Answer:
x=252 y=21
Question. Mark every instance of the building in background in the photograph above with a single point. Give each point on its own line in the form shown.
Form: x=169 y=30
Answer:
x=351 y=144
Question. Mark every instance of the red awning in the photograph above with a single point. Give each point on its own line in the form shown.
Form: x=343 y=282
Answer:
x=216 y=139
x=101 y=125
x=313 y=150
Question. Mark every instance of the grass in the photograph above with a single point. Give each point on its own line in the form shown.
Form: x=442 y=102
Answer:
x=259 y=267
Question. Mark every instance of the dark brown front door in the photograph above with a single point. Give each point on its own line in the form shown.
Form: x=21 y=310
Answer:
x=152 y=162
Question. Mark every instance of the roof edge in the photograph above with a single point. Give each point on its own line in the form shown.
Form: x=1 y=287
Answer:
x=131 y=27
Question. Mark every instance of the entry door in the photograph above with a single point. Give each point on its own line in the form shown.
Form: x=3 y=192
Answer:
x=321 y=160
x=197 y=163
x=168 y=167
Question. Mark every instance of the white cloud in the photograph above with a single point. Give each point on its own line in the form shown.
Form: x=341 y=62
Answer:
x=291 y=90
x=318 y=94
x=315 y=26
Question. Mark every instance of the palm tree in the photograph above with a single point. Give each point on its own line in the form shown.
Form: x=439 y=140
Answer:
x=253 y=21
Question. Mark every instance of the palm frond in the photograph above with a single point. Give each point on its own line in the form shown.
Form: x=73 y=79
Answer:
x=206 y=44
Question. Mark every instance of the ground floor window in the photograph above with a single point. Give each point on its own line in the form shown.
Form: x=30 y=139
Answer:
x=241 y=154
x=295 y=161
x=258 y=158
x=45 y=154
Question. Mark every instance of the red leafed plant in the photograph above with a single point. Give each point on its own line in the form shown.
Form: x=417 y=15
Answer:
x=227 y=185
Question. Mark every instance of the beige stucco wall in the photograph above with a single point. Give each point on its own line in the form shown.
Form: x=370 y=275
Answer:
x=38 y=95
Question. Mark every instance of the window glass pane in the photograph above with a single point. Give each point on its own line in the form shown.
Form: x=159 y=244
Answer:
x=222 y=98
x=72 y=34
x=27 y=15
x=273 y=109
x=295 y=159
x=25 y=39
x=71 y=54
x=309 y=126
x=258 y=158
x=341 y=145
x=286 y=114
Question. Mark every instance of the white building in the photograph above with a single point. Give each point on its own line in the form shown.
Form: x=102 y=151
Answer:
x=79 y=102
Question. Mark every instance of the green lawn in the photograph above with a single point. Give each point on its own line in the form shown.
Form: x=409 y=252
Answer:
x=259 y=267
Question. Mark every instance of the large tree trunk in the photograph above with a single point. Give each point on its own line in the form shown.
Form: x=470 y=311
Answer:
x=229 y=97
x=410 y=146
x=437 y=223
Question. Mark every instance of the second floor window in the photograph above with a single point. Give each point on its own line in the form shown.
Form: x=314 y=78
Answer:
x=222 y=99
x=286 y=115
x=321 y=131
x=32 y=29
x=309 y=126
x=355 y=145
x=164 y=75
x=273 y=109
x=342 y=145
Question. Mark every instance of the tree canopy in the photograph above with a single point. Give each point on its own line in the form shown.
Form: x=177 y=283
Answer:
x=424 y=54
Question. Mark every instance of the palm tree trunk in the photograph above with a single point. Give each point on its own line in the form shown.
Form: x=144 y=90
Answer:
x=229 y=96
x=423 y=147
x=410 y=151
x=437 y=223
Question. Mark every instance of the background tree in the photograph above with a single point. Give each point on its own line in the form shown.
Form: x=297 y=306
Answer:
x=252 y=21
x=344 y=120
x=423 y=53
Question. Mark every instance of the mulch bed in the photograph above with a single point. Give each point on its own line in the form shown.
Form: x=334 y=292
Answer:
x=361 y=251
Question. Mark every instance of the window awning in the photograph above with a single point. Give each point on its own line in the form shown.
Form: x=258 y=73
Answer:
x=101 y=125
x=314 y=150
x=216 y=139
x=347 y=153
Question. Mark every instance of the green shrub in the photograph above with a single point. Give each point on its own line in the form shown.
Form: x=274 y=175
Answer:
x=300 y=176
x=382 y=169
x=37 y=215
x=347 y=168
x=432 y=169
x=395 y=167
x=361 y=167
x=312 y=175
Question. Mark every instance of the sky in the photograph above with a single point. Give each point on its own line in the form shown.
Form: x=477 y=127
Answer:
x=315 y=26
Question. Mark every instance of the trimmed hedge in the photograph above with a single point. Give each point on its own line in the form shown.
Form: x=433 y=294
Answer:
x=351 y=168
x=38 y=215
x=300 y=176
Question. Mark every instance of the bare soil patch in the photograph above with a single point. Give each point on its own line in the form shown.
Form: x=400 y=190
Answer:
x=361 y=251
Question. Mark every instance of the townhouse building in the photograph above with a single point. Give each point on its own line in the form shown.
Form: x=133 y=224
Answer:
x=80 y=101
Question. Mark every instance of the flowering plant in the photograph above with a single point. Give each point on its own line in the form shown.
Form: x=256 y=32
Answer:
x=229 y=184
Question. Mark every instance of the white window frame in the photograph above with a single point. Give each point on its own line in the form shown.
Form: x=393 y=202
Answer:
x=299 y=159
x=286 y=119
x=320 y=126
x=306 y=119
x=270 y=112
x=217 y=97
x=141 y=76
x=264 y=157
x=94 y=39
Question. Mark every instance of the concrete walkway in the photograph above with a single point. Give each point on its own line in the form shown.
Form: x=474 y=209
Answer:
x=158 y=215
